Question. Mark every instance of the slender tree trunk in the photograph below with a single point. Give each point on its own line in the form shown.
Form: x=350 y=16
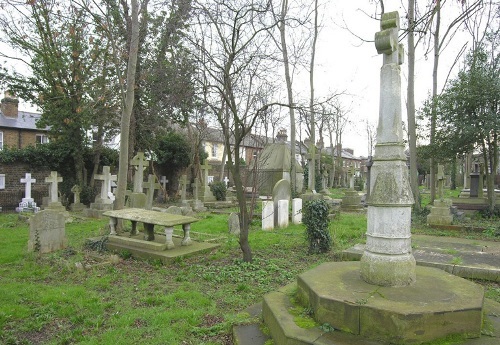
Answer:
x=434 y=96
x=293 y=167
x=127 y=108
x=312 y=150
x=411 y=104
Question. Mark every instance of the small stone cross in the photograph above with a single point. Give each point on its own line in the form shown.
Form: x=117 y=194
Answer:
x=386 y=40
x=76 y=189
x=28 y=180
x=140 y=163
x=53 y=179
x=151 y=186
x=226 y=180
x=195 y=189
x=183 y=187
x=164 y=181
x=106 y=179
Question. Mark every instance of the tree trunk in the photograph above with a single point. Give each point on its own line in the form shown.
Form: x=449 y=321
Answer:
x=411 y=105
x=293 y=168
x=127 y=108
x=312 y=150
x=434 y=95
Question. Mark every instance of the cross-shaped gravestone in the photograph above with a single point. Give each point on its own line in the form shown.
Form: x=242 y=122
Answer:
x=53 y=179
x=195 y=189
x=226 y=180
x=205 y=168
x=151 y=186
x=183 y=187
x=106 y=179
x=27 y=191
x=76 y=189
x=164 y=181
x=440 y=178
x=140 y=163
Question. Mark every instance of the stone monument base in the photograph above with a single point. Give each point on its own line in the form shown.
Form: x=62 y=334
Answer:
x=97 y=209
x=440 y=213
x=436 y=306
x=351 y=202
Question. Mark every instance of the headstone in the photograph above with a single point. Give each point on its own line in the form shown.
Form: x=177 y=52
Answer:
x=297 y=211
x=27 y=203
x=234 y=223
x=267 y=215
x=283 y=213
x=207 y=194
x=474 y=185
x=281 y=191
x=102 y=201
x=226 y=181
x=54 y=203
x=440 y=181
x=197 y=203
x=174 y=210
x=137 y=198
x=47 y=232
x=183 y=185
x=388 y=259
x=77 y=205
x=164 y=194
x=151 y=186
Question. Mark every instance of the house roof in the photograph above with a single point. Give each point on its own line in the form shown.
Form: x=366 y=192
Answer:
x=24 y=120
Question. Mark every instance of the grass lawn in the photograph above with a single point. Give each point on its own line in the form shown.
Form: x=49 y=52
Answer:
x=45 y=299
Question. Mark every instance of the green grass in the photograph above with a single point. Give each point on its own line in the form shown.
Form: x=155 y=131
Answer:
x=45 y=299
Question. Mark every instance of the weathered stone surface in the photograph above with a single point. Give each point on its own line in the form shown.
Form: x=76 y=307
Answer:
x=281 y=191
x=297 y=211
x=267 y=215
x=47 y=232
x=234 y=223
x=283 y=206
x=174 y=210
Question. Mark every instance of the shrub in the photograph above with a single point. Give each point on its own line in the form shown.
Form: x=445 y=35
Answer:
x=219 y=190
x=315 y=219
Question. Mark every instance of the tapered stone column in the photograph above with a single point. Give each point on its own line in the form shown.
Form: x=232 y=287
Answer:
x=388 y=260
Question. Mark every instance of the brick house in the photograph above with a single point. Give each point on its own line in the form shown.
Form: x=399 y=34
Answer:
x=18 y=128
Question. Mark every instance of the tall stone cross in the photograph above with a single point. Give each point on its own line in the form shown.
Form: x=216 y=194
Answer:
x=205 y=168
x=106 y=179
x=53 y=179
x=183 y=187
x=151 y=186
x=195 y=189
x=388 y=259
x=27 y=190
x=76 y=189
x=140 y=163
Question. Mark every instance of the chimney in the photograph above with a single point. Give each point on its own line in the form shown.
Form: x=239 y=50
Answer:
x=282 y=136
x=10 y=105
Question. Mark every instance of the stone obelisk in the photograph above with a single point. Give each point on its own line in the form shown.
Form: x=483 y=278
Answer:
x=387 y=259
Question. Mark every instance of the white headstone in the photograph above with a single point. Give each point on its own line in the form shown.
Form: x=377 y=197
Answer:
x=226 y=180
x=281 y=191
x=297 y=211
x=283 y=213
x=267 y=215
x=27 y=190
x=106 y=179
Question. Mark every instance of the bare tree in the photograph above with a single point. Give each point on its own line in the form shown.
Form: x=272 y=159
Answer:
x=236 y=69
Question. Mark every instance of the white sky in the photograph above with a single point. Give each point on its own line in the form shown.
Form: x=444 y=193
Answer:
x=344 y=62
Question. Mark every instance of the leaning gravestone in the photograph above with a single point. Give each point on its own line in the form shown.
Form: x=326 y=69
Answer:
x=267 y=215
x=234 y=223
x=281 y=191
x=47 y=232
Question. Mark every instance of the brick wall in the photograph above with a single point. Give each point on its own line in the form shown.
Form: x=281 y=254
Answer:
x=16 y=138
x=11 y=196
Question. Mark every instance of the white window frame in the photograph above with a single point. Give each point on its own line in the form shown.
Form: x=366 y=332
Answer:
x=41 y=139
x=214 y=150
x=1 y=140
x=2 y=181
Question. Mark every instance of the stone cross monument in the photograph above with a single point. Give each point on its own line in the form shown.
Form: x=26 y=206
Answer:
x=53 y=179
x=388 y=259
x=140 y=162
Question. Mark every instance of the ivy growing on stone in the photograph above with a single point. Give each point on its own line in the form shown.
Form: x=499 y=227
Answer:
x=315 y=218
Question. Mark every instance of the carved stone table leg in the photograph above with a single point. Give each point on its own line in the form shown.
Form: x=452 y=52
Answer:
x=149 y=234
x=186 y=241
x=169 y=230
x=133 y=231
x=112 y=226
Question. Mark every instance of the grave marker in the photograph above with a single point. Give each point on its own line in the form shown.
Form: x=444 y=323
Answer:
x=150 y=186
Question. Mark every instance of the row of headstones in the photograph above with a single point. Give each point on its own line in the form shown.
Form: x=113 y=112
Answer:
x=275 y=212
x=28 y=204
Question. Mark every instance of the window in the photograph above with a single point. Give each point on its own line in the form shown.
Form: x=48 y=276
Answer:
x=2 y=181
x=42 y=139
x=214 y=150
x=1 y=140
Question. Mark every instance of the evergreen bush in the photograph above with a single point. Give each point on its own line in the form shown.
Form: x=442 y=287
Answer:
x=315 y=218
x=219 y=190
